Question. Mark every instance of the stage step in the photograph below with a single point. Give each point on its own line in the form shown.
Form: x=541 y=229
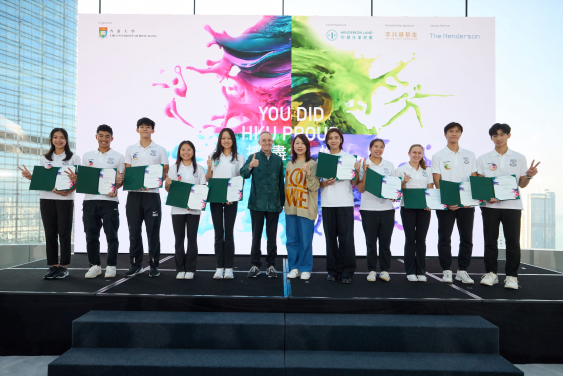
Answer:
x=166 y=362
x=338 y=363
x=390 y=333
x=179 y=330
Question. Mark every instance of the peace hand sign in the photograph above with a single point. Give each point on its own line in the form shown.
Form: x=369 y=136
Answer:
x=533 y=170
x=71 y=175
x=357 y=165
x=25 y=173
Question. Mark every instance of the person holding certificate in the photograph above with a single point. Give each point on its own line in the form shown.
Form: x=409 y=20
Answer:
x=57 y=207
x=378 y=214
x=186 y=220
x=301 y=208
x=144 y=204
x=454 y=164
x=337 y=204
x=503 y=162
x=415 y=221
x=224 y=163
x=267 y=197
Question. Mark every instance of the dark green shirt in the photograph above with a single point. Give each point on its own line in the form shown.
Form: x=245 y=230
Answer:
x=267 y=188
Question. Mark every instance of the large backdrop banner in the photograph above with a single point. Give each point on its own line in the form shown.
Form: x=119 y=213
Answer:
x=398 y=79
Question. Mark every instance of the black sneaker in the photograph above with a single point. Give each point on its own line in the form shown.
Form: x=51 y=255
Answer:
x=346 y=280
x=61 y=273
x=51 y=273
x=253 y=272
x=271 y=272
x=332 y=278
x=154 y=271
x=133 y=270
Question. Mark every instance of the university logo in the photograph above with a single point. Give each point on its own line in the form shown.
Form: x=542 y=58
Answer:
x=110 y=160
x=65 y=163
x=386 y=171
x=135 y=156
x=196 y=174
x=331 y=35
x=153 y=153
x=424 y=174
x=513 y=163
x=90 y=162
x=103 y=32
x=466 y=160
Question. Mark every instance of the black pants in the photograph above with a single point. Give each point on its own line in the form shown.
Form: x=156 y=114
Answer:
x=510 y=219
x=143 y=207
x=95 y=214
x=257 y=218
x=57 y=222
x=182 y=224
x=415 y=224
x=446 y=220
x=338 y=224
x=378 y=225
x=223 y=217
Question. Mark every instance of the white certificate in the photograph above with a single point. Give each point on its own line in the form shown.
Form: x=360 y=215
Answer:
x=465 y=195
x=234 y=189
x=63 y=183
x=345 y=169
x=433 y=200
x=153 y=176
x=506 y=188
x=107 y=181
x=391 y=187
x=198 y=197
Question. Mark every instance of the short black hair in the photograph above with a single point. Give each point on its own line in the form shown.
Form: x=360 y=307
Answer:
x=104 y=128
x=499 y=126
x=453 y=124
x=145 y=121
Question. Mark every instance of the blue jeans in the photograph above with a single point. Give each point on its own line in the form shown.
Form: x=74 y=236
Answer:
x=299 y=232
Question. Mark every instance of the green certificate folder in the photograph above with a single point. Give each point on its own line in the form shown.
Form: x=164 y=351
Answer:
x=134 y=178
x=43 y=179
x=382 y=186
x=449 y=192
x=217 y=190
x=414 y=198
x=374 y=182
x=87 y=180
x=482 y=188
x=327 y=165
x=178 y=194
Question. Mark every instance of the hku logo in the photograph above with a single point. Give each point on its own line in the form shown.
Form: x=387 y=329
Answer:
x=103 y=32
x=331 y=34
x=513 y=163
x=110 y=160
x=153 y=153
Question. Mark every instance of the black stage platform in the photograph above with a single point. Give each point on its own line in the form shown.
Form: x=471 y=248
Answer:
x=37 y=313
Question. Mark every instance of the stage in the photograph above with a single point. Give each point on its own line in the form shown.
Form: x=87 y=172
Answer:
x=38 y=313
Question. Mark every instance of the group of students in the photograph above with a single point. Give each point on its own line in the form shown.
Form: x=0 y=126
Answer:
x=294 y=190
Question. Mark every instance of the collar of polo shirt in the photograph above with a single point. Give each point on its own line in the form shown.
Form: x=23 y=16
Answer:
x=151 y=144
x=496 y=153
x=107 y=152
x=450 y=151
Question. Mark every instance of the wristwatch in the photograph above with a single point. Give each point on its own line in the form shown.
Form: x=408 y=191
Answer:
x=529 y=177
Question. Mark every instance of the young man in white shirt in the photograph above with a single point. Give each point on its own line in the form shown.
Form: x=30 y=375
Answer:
x=455 y=164
x=144 y=204
x=503 y=161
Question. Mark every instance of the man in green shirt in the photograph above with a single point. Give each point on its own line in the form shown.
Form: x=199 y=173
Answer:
x=266 y=201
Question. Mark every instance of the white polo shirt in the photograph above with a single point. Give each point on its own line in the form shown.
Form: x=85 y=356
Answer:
x=456 y=167
x=419 y=178
x=339 y=194
x=58 y=162
x=225 y=168
x=109 y=159
x=510 y=163
x=369 y=201
x=186 y=175
x=136 y=155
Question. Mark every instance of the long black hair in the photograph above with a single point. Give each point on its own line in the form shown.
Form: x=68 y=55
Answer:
x=219 y=150
x=374 y=141
x=68 y=153
x=179 y=157
x=305 y=140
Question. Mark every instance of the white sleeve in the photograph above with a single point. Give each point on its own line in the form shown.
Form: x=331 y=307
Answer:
x=362 y=172
x=76 y=159
x=201 y=173
x=121 y=164
x=163 y=157
x=241 y=162
x=480 y=166
x=436 y=164
x=128 y=158
x=523 y=166
x=473 y=163
x=172 y=173
x=430 y=177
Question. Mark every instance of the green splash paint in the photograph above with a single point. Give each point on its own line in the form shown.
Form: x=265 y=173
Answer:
x=408 y=105
x=398 y=99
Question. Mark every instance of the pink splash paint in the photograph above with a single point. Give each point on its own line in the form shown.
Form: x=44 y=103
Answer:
x=181 y=91
x=161 y=71
x=171 y=111
x=175 y=81
x=161 y=84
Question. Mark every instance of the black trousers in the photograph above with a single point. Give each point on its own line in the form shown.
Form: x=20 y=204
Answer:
x=338 y=224
x=57 y=221
x=95 y=214
x=510 y=219
x=378 y=225
x=446 y=220
x=258 y=218
x=223 y=217
x=143 y=207
x=415 y=224
x=182 y=224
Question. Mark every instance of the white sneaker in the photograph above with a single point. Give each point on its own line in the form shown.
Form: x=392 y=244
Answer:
x=371 y=276
x=229 y=274
x=94 y=271
x=305 y=275
x=110 y=272
x=385 y=276
x=189 y=275
x=218 y=274
x=421 y=278
x=464 y=277
x=511 y=283
x=489 y=279
x=447 y=276
x=294 y=273
x=412 y=278
x=181 y=275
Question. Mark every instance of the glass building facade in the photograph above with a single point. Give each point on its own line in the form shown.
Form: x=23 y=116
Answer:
x=542 y=220
x=37 y=94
